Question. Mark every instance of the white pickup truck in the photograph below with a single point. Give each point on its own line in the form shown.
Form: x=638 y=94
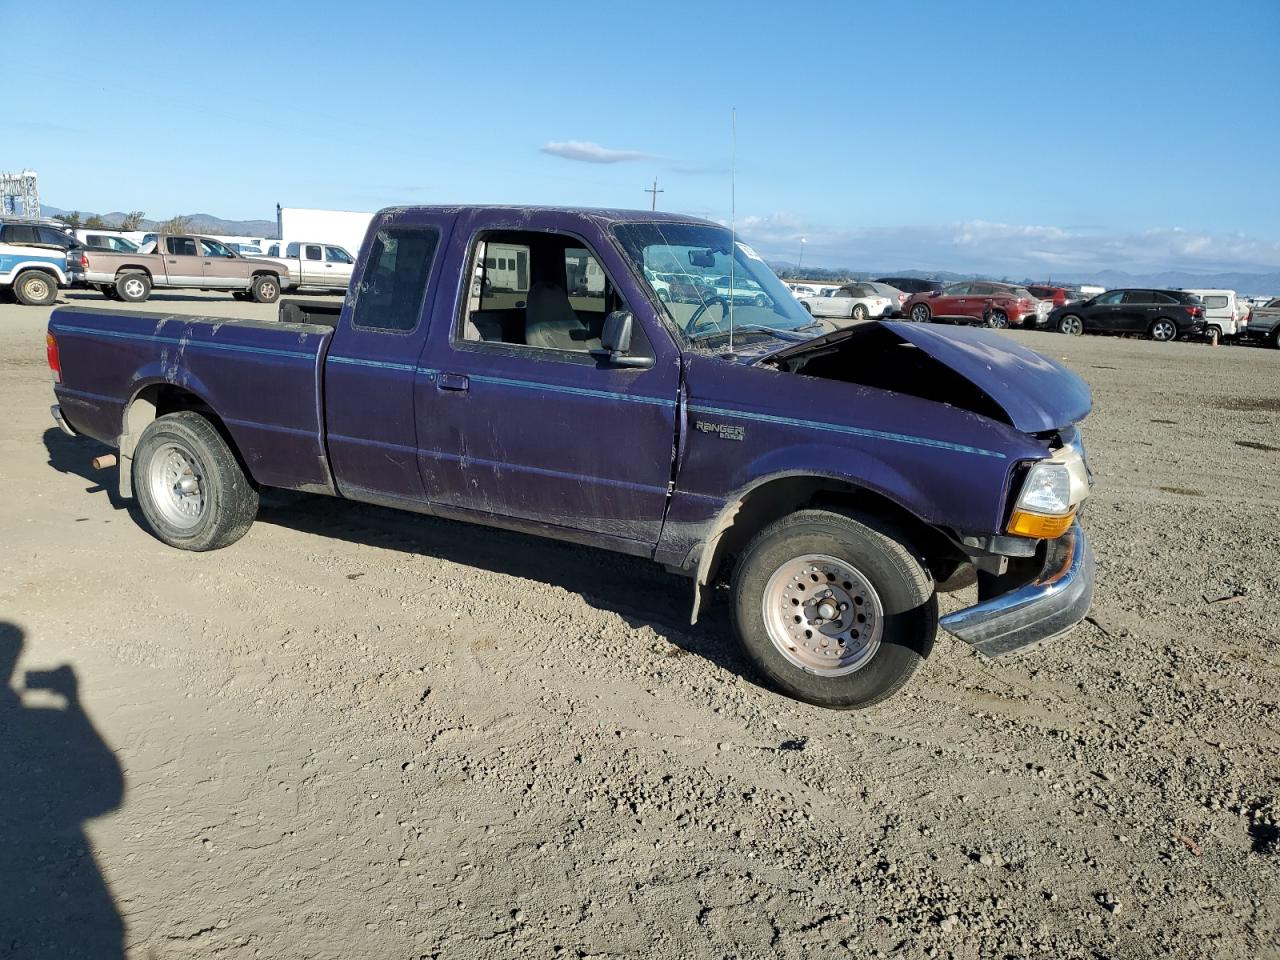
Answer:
x=318 y=266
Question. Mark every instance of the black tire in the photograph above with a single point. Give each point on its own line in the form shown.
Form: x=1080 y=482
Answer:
x=133 y=287
x=859 y=312
x=909 y=604
x=921 y=313
x=997 y=320
x=108 y=290
x=1160 y=330
x=239 y=294
x=1071 y=325
x=1275 y=338
x=35 y=288
x=1214 y=336
x=228 y=501
x=265 y=288
x=807 y=309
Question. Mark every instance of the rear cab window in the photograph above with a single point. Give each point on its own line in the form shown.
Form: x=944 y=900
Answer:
x=390 y=293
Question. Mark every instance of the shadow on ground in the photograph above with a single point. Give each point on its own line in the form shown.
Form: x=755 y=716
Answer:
x=56 y=772
x=639 y=591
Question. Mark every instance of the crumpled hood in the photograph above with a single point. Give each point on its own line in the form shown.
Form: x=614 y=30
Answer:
x=1037 y=393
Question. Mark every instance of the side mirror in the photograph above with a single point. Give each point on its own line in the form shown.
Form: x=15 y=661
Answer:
x=615 y=341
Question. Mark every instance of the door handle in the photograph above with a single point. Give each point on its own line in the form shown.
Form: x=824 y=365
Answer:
x=451 y=381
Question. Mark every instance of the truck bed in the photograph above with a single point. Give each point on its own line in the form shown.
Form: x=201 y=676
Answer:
x=262 y=377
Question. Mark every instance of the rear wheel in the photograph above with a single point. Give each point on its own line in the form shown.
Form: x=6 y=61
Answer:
x=833 y=608
x=920 y=313
x=35 y=288
x=1214 y=336
x=191 y=489
x=997 y=319
x=1164 y=330
x=265 y=288
x=133 y=287
x=1071 y=325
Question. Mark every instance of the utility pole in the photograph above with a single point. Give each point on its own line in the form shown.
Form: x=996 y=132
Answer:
x=654 y=191
x=801 y=261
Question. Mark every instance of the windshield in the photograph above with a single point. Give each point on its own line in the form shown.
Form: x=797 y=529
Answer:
x=705 y=290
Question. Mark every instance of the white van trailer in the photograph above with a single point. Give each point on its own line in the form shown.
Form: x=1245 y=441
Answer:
x=342 y=228
x=1225 y=315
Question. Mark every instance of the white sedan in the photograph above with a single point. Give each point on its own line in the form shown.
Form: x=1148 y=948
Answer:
x=853 y=301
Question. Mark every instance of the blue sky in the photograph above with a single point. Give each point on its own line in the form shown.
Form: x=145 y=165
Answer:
x=1009 y=137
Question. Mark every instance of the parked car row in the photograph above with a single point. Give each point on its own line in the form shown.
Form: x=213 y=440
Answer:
x=41 y=257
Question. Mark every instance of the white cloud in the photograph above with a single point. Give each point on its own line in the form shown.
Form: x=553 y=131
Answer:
x=591 y=152
x=983 y=246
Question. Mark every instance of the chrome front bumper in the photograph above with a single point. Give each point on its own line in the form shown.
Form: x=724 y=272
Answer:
x=1053 y=602
x=61 y=421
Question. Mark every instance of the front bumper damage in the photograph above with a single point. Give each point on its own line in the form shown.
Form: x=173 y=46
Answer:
x=1052 y=602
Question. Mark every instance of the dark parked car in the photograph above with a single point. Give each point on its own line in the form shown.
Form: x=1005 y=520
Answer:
x=32 y=234
x=837 y=479
x=976 y=301
x=912 y=284
x=1264 y=324
x=1161 y=314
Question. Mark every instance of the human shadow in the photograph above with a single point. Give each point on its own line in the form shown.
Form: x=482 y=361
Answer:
x=638 y=590
x=56 y=772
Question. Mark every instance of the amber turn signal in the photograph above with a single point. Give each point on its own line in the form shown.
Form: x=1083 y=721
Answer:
x=1024 y=524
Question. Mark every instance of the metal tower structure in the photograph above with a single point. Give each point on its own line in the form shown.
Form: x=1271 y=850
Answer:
x=19 y=196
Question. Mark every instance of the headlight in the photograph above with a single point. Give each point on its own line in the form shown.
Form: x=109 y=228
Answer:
x=1051 y=494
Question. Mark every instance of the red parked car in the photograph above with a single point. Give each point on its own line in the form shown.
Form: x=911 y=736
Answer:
x=977 y=301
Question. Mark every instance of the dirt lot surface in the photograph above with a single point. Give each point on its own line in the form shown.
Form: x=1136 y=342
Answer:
x=358 y=733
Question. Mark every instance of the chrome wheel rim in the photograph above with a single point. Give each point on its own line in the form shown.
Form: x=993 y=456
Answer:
x=998 y=320
x=919 y=314
x=1071 y=326
x=133 y=288
x=1163 y=330
x=268 y=289
x=823 y=615
x=176 y=478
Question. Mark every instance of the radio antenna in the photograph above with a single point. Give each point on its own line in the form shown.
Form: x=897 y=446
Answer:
x=733 y=211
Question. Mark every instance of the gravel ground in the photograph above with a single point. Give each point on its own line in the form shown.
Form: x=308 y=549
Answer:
x=358 y=733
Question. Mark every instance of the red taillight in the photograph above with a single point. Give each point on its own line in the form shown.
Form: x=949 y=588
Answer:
x=83 y=260
x=1194 y=311
x=51 y=352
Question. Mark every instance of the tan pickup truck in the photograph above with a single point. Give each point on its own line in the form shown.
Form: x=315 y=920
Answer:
x=174 y=260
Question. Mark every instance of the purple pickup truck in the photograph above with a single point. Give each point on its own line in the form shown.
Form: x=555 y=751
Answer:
x=513 y=366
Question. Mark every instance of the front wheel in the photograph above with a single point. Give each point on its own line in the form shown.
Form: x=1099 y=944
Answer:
x=35 y=288
x=920 y=313
x=192 y=490
x=265 y=288
x=859 y=312
x=834 y=608
x=1071 y=325
x=1164 y=330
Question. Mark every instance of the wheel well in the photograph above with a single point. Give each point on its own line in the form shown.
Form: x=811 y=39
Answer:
x=156 y=401
x=133 y=268
x=773 y=500
x=47 y=271
x=265 y=273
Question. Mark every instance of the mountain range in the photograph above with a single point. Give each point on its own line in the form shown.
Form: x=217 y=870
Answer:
x=198 y=223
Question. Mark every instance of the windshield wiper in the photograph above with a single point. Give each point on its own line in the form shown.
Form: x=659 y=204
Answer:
x=747 y=328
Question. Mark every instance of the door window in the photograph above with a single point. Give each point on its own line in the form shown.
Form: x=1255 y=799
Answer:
x=54 y=236
x=337 y=255
x=389 y=295
x=1110 y=299
x=538 y=291
x=180 y=246
x=212 y=248
x=1140 y=296
x=17 y=233
x=956 y=290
